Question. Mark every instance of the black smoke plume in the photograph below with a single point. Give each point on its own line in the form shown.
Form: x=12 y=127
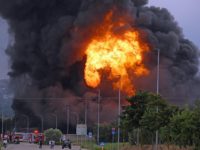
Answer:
x=47 y=56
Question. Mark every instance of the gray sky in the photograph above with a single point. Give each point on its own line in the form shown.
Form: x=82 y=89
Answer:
x=185 y=12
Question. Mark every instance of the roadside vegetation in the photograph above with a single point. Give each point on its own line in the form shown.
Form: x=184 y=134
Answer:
x=53 y=134
x=178 y=127
x=0 y=145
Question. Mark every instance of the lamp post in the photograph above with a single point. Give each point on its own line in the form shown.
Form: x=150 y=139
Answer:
x=86 y=106
x=119 y=112
x=67 y=107
x=2 y=121
x=42 y=123
x=56 y=120
x=27 y=118
x=77 y=121
x=77 y=117
x=98 y=117
x=157 y=88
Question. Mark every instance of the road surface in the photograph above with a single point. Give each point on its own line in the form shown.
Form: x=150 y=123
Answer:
x=27 y=146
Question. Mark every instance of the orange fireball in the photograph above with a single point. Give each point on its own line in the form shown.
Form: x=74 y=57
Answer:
x=120 y=54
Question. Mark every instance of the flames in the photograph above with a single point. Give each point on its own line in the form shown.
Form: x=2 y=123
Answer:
x=117 y=50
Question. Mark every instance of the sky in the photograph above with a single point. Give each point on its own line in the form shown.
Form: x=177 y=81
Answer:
x=185 y=12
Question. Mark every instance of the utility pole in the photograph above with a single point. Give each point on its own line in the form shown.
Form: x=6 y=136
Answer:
x=27 y=119
x=98 y=118
x=56 y=120
x=157 y=88
x=42 y=123
x=86 y=111
x=119 y=113
x=67 y=107
x=2 y=121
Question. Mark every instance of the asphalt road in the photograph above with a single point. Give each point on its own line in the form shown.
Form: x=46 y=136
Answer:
x=27 y=146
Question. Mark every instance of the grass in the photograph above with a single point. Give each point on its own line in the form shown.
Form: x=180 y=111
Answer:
x=125 y=146
x=1 y=145
x=90 y=145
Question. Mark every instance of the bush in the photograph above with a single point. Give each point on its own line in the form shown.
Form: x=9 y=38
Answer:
x=53 y=134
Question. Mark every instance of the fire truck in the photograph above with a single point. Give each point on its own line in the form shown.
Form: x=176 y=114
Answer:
x=36 y=136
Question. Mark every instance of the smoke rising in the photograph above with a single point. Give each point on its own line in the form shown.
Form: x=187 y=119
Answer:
x=47 y=55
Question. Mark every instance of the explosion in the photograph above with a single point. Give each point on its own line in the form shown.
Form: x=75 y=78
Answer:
x=119 y=54
x=57 y=45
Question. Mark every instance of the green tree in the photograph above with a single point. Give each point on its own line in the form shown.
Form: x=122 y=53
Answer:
x=53 y=134
x=182 y=127
x=196 y=122
x=143 y=113
x=165 y=131
x=157 y=113
x=132 y=114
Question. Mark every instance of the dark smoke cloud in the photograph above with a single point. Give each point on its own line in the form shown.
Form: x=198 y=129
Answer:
x=47 y=55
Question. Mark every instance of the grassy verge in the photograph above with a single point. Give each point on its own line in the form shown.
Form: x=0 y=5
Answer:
x=1 y=145
x=108 y=146
x=125 y=146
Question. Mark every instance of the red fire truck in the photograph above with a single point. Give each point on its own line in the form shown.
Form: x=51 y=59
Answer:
x=35 y=137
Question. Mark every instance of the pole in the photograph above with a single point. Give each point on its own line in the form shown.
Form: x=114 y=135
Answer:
x=98 y=118
x=158 y=72
x=27 y=119
x=28 y=125
x=56 y=120
x=76 y=115
x=27 y=122
x=2 y=122
x=157 y=88
x=42 y=123
x=119 y=106
x=86 y=111
x=67 y=106
x=77 y=121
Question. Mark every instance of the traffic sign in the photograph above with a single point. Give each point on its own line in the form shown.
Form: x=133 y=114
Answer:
x=113 y=131
x=90 y=134
x=102 y=144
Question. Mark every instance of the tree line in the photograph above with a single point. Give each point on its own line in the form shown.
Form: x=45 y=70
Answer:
x=148 y=113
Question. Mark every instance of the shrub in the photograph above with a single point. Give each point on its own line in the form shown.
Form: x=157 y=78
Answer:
x=53 y=134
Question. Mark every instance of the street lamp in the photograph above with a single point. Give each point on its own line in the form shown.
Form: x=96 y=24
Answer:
x=86 y=107
x=67 y=108
x=157 y=88
x=158 y=71
x=42 y=123
x=56 y=119
x=77 y=121
x=77 y=117
x=2 y=121
x=119 y=113
x=27 y=118
x=98 y=118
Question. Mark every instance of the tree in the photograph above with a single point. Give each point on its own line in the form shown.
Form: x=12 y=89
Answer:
x=196 y=122
x=53 y=134
x=157 y=113
x=182 y=127
x=142 y=113
x=165 y=131
x=132 y=114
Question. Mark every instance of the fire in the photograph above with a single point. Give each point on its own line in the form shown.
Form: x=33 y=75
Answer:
x=119 y=54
